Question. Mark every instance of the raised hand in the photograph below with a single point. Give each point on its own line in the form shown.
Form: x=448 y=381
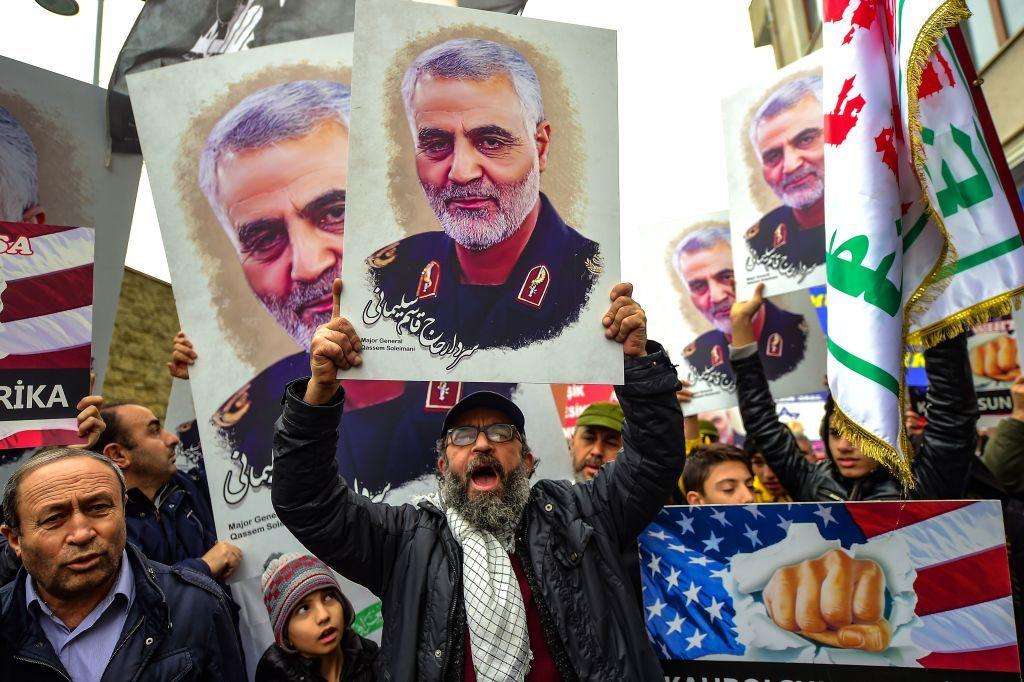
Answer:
x=626 y=321
x=90 y=423
x=834 y=599
x=182 y=356
x=335 y=347
x=742 y=318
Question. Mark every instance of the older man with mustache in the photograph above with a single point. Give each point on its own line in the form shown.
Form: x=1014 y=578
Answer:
x=505 y=271
x=491 y=579
x=787 y=134
x=88 y=606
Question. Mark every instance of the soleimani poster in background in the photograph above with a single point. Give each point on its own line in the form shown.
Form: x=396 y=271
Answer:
x=774 y=151
x=482 y=230
x=884 y=591
x=689 y=277
x=55 y=168
x=46 y=274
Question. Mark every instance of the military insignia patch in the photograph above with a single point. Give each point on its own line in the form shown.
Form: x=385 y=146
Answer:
x=595 y=264
x=442 y=395
x=753 y=231
x=384 y=256
x=430 y=280
x=779 y=236
x=717 y=355
x=774 y=347
x=232 y=411
x=535 y=286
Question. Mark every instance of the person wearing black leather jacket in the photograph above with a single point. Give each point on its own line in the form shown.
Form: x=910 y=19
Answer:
x=566 y=549
x=943 y=463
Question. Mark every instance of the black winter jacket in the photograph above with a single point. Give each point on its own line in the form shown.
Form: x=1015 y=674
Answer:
x=179 y=628
x=570 y=542
x=278 y=665
x=181 y=529
x=944 y=458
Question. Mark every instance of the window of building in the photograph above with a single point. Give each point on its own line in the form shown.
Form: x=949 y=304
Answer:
x=993 y=23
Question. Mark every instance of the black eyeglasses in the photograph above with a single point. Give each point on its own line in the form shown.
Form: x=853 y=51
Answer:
x=496 y=433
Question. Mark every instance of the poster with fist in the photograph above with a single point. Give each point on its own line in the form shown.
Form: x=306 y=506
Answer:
x=837 y=591
x=995 y=365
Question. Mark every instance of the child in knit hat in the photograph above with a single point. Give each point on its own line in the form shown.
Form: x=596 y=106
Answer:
x=311 y=619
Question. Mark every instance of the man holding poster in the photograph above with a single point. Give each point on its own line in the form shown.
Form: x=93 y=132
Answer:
x=703 y=261
x=490 y=577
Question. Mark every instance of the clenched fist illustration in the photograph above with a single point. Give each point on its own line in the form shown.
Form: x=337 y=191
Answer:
x=996 y=359
x=834 y=600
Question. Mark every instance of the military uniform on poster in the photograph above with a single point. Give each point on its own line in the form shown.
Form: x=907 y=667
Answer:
x=545 y=292
x=380 y=447
x=779 y=231
x=781 y=345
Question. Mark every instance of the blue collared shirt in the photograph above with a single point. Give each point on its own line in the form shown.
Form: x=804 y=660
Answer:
x=86 y=650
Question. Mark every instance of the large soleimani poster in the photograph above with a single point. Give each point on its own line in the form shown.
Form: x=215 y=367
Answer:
x=55 y=168
x=688 y=273
x=482 y=232
x=887 y=591
x=248 y=160
x=775 y=156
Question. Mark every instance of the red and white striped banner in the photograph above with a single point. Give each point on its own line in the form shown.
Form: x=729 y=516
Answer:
x=46 y=285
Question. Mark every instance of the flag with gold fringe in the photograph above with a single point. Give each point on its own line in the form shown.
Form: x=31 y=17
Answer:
x=922 y=223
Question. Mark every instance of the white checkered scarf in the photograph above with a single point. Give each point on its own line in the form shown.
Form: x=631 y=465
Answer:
x=499 y=641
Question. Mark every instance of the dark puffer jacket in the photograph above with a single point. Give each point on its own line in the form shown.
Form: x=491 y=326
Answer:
x=570 y=542
x=278 y=665
x=944 y=459
x=179 y=628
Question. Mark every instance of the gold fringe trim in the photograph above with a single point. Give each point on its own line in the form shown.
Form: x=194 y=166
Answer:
x=1000 y=305
x=874 y=447
x=949 y=13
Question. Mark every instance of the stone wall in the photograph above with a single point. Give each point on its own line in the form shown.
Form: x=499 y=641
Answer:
x=147 y=321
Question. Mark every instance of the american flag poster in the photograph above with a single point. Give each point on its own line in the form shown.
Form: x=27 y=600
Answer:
x=46 y=275
x=772 y=592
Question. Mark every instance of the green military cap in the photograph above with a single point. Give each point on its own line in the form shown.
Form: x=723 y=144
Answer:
x=708 y=431
x=608 y=415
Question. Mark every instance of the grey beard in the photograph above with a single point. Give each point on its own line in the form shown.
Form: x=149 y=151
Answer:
x=476 y=230
x=498 y=514
x=284 y=309
x=801 y=198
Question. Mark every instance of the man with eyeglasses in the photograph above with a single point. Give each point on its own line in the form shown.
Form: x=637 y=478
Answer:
x=491 y=579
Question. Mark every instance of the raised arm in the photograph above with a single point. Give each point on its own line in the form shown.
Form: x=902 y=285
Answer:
x=947 y=450
x=757 y=407
x=629 y=492
x=354 y=536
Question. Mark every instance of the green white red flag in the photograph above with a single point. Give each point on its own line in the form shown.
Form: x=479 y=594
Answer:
x=922 y=224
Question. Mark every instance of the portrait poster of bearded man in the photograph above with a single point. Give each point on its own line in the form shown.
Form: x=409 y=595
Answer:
x=695 y=282
x=247 y=155
x=485 y=210
x=775 y=157
x=55 y=169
